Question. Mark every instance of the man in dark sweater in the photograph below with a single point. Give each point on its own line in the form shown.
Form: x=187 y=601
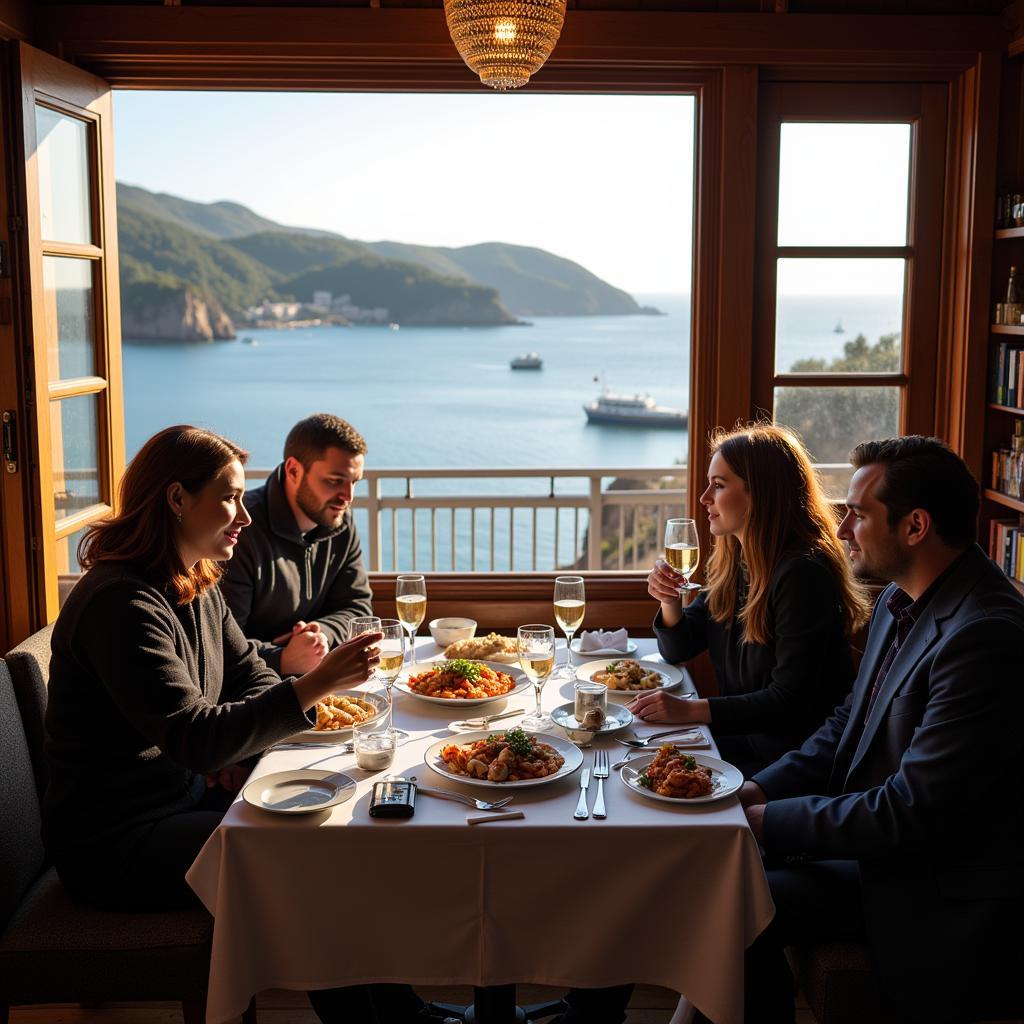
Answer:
x=297 y=579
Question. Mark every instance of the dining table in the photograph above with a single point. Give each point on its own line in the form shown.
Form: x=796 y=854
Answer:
x=659 y=893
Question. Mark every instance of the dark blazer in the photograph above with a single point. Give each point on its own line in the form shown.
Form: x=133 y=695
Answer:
x=279 y=575
x=775 y=694
x=927 y=796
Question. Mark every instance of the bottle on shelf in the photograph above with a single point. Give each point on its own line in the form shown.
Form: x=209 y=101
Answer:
x=1012 y=306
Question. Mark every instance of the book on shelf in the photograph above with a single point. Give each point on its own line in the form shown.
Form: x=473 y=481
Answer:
x=1007 y=383
x=1006 y=545
x=1008 y=464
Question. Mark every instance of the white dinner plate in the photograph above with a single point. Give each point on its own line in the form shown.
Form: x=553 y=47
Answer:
x=303 y=791
x=671 y=677
x=402 y=683
x=339 y=735
x=617 y=718
x=725 y=778
x=572 y=754
x=602 y=651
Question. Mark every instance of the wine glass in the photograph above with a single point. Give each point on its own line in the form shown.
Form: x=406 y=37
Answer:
x=682 y=550
x=411 y=602
x=570 y=605
x=536 y=646
x=392 y=657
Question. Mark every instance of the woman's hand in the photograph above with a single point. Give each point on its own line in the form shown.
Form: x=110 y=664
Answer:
x=664 y=582
x=659 y=706
x=231 y=778
x=347 y=665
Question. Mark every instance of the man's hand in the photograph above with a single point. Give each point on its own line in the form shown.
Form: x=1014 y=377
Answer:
x=232 y=778
x=751 y=793
x=304 y=648
x=755 y=819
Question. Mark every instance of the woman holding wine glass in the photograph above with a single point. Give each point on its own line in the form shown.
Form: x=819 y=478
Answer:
x=779 y=607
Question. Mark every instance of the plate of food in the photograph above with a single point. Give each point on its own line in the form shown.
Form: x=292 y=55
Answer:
x=505 y=759
x=493 y=647
x=338 y=712
x=681 y=777
x=615 y=718
x=459 y=682
x=625 y=677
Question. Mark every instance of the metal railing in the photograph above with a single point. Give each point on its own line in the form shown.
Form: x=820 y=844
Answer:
x=456 y=528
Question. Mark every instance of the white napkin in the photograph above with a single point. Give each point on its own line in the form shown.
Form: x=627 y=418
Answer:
x=604 y=640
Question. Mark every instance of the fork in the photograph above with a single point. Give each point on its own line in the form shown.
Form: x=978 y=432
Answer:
x=646 y=743
x=480 y=805
x=485 y=721
x=600 y=773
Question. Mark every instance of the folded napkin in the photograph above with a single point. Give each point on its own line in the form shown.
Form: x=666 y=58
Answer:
x=604 y=640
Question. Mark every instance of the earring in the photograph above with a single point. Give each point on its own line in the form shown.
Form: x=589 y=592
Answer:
x=177 y=515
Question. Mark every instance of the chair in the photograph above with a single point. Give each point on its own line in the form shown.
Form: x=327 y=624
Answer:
x=29 y=663
x=55 y=949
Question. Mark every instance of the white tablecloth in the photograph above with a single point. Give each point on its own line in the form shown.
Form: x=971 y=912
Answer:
x=654 y=894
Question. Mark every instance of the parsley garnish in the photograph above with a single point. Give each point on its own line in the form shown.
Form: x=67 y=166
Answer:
x=519 y=742
x=461 y=667
x=643 y=780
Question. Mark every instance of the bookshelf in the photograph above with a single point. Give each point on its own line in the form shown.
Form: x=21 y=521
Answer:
x=1006 y=329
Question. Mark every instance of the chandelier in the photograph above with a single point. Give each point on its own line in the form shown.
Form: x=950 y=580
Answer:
x=504 y=41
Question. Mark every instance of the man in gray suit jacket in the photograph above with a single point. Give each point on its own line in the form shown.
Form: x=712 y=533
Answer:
x=900 y=821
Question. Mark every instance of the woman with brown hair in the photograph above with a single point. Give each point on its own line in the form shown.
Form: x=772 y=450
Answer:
x=155 y=696
x=779 y=607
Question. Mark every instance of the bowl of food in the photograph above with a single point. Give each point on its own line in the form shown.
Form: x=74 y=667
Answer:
x=446 y=631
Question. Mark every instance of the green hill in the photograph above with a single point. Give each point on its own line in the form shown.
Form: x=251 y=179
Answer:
x=530 y=282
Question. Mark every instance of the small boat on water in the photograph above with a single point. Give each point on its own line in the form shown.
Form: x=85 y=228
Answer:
x=634 y=411
x=531 y=361
x=247 y=340
x=839 y=328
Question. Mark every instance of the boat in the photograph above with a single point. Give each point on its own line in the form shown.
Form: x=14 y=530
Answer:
x=394 y=327
x=531 y=361
x=634 y=411
x=839 y=328
x=247 y=340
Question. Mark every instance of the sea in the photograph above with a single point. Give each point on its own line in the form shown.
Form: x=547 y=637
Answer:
x=442 y=397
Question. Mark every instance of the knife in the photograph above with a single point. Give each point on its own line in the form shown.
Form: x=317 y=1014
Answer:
x=581 y=808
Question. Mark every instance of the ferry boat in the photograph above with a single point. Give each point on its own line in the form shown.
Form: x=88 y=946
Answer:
x=531 y=361
x=634 y=411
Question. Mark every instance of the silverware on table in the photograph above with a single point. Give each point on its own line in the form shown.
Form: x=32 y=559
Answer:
x=679 y=731
x=582 y=813
x=480 y=805
x=484 y=722
x=622 y=763
x=600 y=773
x=342 y=748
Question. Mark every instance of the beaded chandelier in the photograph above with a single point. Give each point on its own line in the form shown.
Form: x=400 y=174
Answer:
x=504 y=41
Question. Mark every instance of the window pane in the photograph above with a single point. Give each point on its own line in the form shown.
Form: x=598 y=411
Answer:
x=74 y=442
x=70 y=320
x=62 y=160
x=832 y=421
x=67 y=556
x=839 y=316
x=843 y=184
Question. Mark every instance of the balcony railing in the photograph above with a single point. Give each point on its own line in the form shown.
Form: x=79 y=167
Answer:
x=536 y=519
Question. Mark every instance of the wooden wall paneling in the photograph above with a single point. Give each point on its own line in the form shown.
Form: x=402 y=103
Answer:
x=193 y=46
x=967 y=259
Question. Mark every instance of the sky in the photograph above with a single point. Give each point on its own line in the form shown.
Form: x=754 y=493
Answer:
x=606 y=181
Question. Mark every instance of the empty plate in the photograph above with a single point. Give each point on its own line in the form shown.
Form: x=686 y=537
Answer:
x=302 y=791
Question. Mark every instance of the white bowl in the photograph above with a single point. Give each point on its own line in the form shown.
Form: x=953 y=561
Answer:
x=447 y=631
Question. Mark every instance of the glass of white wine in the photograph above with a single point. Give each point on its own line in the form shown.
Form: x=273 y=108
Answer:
x=682 y=550
x=536 y=646
x=570 y=606
x=411 y=602
x=392 y=658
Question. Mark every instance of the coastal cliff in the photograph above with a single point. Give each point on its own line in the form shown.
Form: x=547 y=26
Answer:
x=152 y=311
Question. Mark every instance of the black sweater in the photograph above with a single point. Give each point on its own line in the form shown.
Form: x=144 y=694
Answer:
x=144 y=697
x=279 y=575
x=776 y=693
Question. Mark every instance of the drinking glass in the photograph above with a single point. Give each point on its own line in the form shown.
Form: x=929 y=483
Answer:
x=374 y=745
x=682 y=550
x=411 y=602
x=392 y=657
x=536 y=646
x=570 y=606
